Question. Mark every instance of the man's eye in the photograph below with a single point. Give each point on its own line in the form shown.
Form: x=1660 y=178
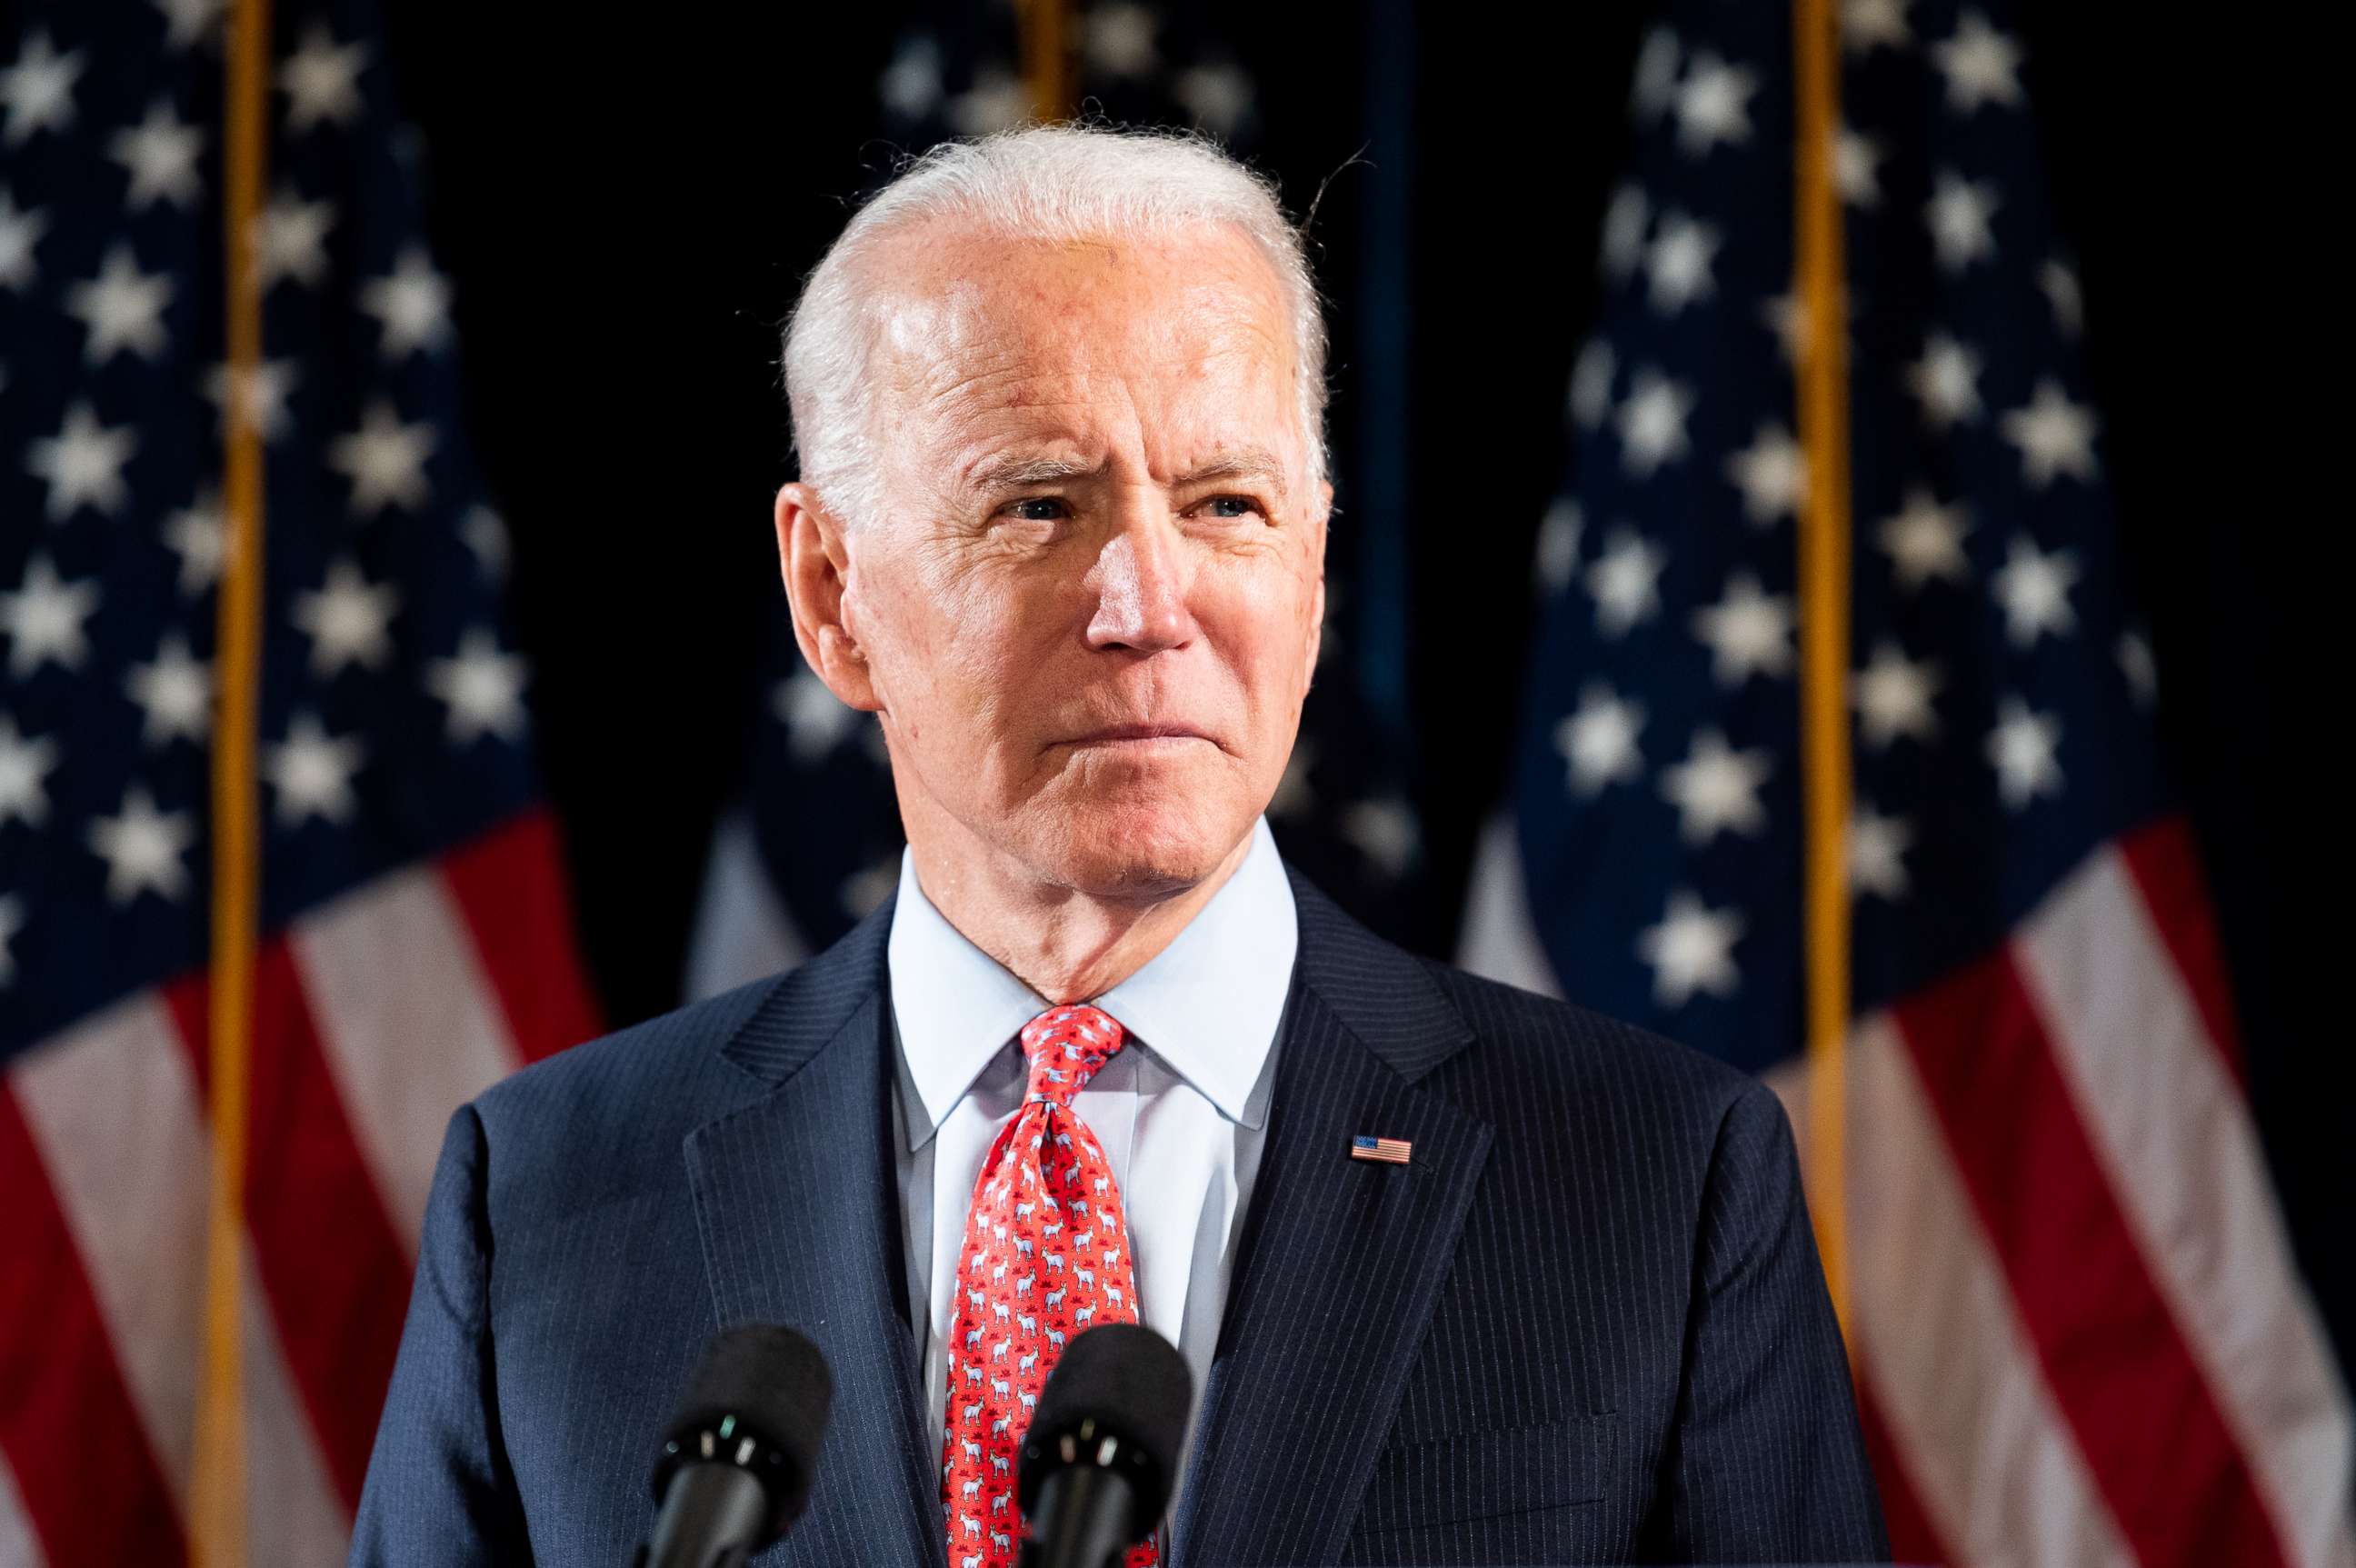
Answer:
x=1039 y=509
x=1233 y=506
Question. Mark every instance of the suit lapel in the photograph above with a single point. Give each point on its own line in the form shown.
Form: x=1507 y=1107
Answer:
x=797 y=1209
x=1340 y=1259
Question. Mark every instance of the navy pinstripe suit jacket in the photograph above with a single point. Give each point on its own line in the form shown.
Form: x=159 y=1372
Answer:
x=1585 y=1325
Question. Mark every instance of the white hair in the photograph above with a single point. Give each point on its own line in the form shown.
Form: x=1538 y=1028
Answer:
x=1064 y=184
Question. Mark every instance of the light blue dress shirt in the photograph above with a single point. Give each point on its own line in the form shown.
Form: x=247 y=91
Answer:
x=1180 y=1112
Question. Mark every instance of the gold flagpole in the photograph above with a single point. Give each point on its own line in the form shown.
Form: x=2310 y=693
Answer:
x=216 y=1504
x=1044 y=30
x=1823 y=377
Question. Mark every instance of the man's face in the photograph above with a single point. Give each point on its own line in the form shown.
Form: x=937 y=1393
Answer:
x=1089 y=605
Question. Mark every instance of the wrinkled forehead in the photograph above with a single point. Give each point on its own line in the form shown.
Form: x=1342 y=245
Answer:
x=988 y=336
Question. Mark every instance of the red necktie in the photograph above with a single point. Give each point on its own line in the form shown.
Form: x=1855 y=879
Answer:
x=1045 y=1257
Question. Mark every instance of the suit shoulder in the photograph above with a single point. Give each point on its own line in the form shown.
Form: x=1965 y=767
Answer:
x=1542 y=1040
x=629 y=1067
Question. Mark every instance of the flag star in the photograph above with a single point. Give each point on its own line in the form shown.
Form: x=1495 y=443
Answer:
x=911 y=85
x=1294 y=795
x=2137 y=664
x=321 y=81
x=199 y=535
x=1959 y=212
x=120 y=308
x=26 y=764
x=1591 y=384
x=1981 y=65
x=1655 y=82
x=82 y=464
x=187 y=21
x=1598 y=740
x=1558 y=550
x=1692 y=950
x=160 y=154
x=1676 y=263
x=996 y=102
x=175 y=693
x=862 y=893
x=262 y=394
x=1218 y=94
x=290 y=240
x=20 y=230
x=1748 y=632
x=2021 y=749
x=2060 y=286
x=143 y=848
x=1877 y=853
x=348 y=620
x=1626 y=582
x=1892 y=695
x=12 y=923
x=311 y=773
x=1946 y=382
x=1855 y=159
x=816 y=720
x=411 y=303
x=482 y=687
x=2054 y=434
x=1772 y=473
x=2034 y=590
x=1625 y=223
x=38 y=91
x=385 y=461
x=1117 y=39
x=486 y=533
x=43 y=619
x=1925 y=540
x=1868 y=25
x=1716 y=789
x=1712 y=104
x=1652 y=423
x=1384 y=830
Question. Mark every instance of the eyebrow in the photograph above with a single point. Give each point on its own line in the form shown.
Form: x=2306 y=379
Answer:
x=1018 y=473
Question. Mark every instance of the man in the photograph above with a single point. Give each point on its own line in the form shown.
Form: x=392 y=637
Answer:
x=1061 y=527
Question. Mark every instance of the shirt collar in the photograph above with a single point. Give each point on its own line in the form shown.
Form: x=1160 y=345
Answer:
x=1207 y=1005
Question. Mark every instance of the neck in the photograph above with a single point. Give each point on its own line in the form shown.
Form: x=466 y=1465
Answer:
x=1063 y=942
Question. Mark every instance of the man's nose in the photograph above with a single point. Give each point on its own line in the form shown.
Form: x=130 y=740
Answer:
x=1139 y=580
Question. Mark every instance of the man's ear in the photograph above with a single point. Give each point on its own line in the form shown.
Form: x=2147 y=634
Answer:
x=813 y=557
x=1317 y=522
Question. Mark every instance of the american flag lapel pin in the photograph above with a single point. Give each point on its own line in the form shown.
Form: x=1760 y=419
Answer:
x=1389 y=1151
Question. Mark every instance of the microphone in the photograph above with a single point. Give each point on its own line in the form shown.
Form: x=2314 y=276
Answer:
x=1096 y=1465
x=738 y=1457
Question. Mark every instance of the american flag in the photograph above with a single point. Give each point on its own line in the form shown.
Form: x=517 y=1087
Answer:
x=413 y=936
x=817 y=846
x=2080 y=1334
x=1388 y=1151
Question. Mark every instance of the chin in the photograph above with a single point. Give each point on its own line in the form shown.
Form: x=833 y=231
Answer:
x=1144 y=849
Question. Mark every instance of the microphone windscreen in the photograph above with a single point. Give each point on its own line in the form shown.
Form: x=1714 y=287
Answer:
x=1133 y=1383
x=772 y=1380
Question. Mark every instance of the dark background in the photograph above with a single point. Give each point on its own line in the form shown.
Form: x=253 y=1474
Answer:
x=626 y=210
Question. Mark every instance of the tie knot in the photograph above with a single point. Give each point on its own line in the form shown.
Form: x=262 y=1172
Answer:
x=1065 y=1046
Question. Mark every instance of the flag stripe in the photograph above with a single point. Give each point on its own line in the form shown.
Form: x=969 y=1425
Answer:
x=19 y=1547
x=511 y=886
x=1997 y=1474
x=293 y=1514
x=334 y=1267
x=1913 y=1538
x=2143 y=1415
x=115 y=1111
x=66 y=1414
x=2160 y=1102
x=409 y=1031
x=2165 y=864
